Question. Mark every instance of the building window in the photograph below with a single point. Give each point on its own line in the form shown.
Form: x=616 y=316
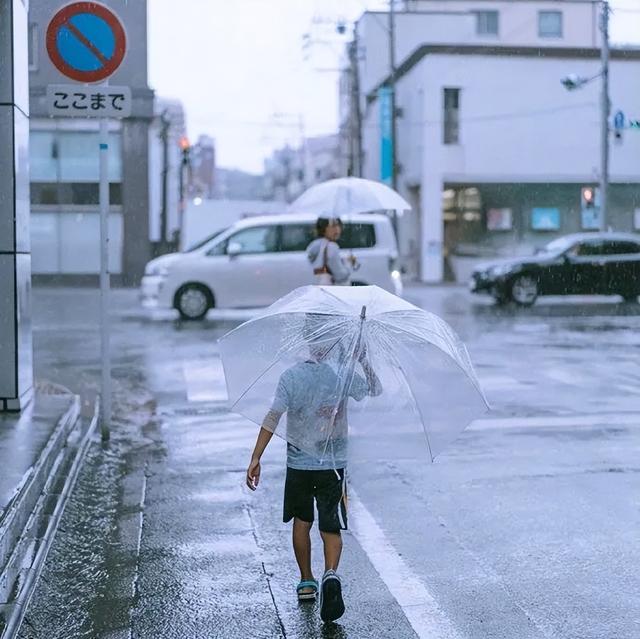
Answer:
x=33 y=46
x=65 y=167
x=550 y=24
x=451 y=129
x=487 y=23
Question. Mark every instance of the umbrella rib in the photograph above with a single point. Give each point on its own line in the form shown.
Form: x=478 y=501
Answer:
x=415 y=401
x=473 y=378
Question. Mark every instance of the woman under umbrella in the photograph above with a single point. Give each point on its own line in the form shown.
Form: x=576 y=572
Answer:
x=324 y=254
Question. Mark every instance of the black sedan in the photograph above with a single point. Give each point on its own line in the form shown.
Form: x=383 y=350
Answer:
x=581 y=264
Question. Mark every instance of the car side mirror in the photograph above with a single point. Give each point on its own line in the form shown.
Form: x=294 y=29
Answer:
x=234 y=249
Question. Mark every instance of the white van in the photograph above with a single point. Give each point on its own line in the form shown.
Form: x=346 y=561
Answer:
x=258 y=260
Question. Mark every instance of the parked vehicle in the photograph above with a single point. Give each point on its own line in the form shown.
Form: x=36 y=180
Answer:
x=258 y=260
x=580 y=264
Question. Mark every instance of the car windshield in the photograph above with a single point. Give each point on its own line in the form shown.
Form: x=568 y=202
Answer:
x=201 y=243
x=558 y=246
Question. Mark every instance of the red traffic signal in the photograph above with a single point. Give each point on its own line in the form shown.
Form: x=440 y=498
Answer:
x=588 y=197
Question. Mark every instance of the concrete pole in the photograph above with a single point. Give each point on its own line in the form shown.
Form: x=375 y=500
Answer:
x=605 y=113
x=394 y=128
x=392 y=86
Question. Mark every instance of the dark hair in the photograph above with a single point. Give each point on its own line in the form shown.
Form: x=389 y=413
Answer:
x=323 y=223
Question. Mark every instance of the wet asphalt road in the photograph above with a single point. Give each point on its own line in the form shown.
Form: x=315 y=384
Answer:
x=526 y=527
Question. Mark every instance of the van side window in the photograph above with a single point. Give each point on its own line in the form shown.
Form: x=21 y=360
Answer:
x=296 y=237
x=256 y=239
x=357 y=236
x=218 y=249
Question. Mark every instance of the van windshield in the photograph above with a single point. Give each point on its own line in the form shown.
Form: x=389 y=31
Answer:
x=201 y=243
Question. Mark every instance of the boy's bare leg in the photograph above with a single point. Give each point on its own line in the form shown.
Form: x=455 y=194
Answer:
x=332 y=549
x=302 y=548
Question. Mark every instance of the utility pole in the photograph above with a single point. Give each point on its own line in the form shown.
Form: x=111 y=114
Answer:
x=355 y=135
x=392 y=87
x=605 y=112
x=165 y=123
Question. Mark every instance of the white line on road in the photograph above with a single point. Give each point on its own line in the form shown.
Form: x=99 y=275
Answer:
x=205 y=380
x=591 y=419
x=420 y=608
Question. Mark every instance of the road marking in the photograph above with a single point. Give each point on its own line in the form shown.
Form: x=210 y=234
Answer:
x=205 y=380
x=419 y=606
x=592 y=419
x=501 y=383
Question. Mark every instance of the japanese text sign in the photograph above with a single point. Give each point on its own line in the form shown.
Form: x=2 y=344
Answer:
x=72 y=100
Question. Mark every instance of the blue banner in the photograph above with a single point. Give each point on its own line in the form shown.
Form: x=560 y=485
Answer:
x=385 y=98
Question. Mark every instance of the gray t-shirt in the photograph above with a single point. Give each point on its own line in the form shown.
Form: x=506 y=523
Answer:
x=308 y=393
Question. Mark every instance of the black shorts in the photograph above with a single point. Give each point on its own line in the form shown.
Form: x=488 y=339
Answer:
x=329 y=491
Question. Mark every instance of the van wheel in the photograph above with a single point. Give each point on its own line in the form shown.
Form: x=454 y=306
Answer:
x=193 y=301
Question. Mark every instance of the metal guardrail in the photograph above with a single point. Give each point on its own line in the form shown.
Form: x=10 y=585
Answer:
x=27 y=589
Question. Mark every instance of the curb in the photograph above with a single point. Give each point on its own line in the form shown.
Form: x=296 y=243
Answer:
x=30 y=523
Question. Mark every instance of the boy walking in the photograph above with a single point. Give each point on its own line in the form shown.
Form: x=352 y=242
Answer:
x=308 y=393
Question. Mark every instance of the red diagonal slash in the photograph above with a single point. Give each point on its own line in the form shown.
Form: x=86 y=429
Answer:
x=87 y=43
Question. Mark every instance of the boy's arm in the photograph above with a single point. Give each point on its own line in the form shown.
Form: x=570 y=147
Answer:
x=264 y=437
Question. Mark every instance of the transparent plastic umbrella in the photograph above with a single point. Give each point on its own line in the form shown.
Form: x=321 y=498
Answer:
x=347 y=196
x=358 y=372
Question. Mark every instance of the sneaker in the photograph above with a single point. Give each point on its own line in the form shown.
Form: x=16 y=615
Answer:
x=331 y=604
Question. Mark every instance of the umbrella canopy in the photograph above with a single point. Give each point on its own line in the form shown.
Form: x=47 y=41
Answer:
x=346 y=196
x=357 y=371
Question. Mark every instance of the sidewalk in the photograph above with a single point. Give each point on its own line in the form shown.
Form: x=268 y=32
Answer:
x=216 y=560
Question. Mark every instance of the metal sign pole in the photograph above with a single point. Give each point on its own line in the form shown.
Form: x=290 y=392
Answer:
x=104 y=280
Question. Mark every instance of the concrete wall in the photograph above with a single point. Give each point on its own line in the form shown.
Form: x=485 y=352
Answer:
x=453 y=22
x=16 y=372
x=518 y=20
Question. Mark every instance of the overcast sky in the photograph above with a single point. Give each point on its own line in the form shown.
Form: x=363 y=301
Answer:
x=241 y=72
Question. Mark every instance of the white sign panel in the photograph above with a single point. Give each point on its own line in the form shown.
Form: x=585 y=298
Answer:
x=84 y=101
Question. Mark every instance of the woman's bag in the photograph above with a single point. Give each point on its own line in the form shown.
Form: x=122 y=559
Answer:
x=323 y=274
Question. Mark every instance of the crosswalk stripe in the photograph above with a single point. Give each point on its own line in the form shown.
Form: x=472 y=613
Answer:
x=205 y=380
x=590 y=419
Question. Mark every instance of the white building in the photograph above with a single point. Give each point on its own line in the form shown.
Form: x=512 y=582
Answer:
x=492 y=151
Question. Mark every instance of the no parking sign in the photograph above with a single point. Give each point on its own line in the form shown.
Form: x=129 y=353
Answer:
x=86 y=41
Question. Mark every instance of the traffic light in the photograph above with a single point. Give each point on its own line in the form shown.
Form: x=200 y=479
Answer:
x=588 y=197
x=185 y=147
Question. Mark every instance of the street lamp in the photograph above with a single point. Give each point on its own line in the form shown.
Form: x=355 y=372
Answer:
x=573 y=82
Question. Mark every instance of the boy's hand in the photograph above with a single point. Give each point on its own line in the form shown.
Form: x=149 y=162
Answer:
x=253 y=474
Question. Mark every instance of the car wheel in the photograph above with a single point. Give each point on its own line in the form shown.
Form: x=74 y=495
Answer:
x=524 y=290
x=193 y=301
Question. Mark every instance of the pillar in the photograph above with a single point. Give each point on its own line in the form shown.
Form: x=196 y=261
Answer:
x=432 y=227
x=16 y=370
